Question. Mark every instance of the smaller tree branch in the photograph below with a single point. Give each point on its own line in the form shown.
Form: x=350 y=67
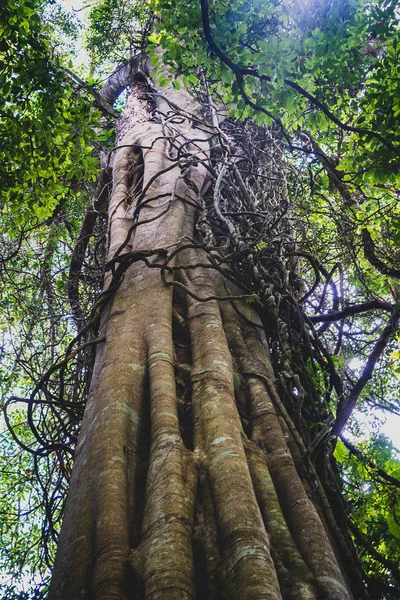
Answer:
x=359 y=454
x=370 y=255
x=335 y=176
x=345 y=407
x=99 y=101
x=372 y=551
x=81 y=244
x=336 y=180
x=355 y=309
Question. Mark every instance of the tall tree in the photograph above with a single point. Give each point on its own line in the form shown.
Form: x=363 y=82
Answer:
x=204 y=464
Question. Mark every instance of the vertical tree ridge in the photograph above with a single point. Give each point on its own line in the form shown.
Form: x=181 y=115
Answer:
x=247 y=565
x=266 y=432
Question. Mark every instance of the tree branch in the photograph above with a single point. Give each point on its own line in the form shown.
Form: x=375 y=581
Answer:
x=79 y=251
x=372 y=551
x=122 y=77
x=370 y=255
x=100 y=102
x=346 y=407
x=335 y=177
x=357 y=452
x=355 y=309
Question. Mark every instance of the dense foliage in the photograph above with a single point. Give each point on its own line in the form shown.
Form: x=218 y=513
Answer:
x=324 y=78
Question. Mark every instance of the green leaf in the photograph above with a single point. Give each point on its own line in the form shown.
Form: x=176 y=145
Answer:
x=340 y=453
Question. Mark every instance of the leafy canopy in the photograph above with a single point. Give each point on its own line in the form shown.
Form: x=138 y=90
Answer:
x=47 y=127
x=302 y=64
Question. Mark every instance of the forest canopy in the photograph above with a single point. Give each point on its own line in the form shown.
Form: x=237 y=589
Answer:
x=306 y=100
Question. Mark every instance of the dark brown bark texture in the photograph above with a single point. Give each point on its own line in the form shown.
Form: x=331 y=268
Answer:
x=191 y=478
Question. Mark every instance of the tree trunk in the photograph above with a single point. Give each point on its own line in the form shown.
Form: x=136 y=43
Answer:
x=189 y=478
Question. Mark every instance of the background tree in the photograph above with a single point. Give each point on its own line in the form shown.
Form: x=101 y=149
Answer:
x=251 y=255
